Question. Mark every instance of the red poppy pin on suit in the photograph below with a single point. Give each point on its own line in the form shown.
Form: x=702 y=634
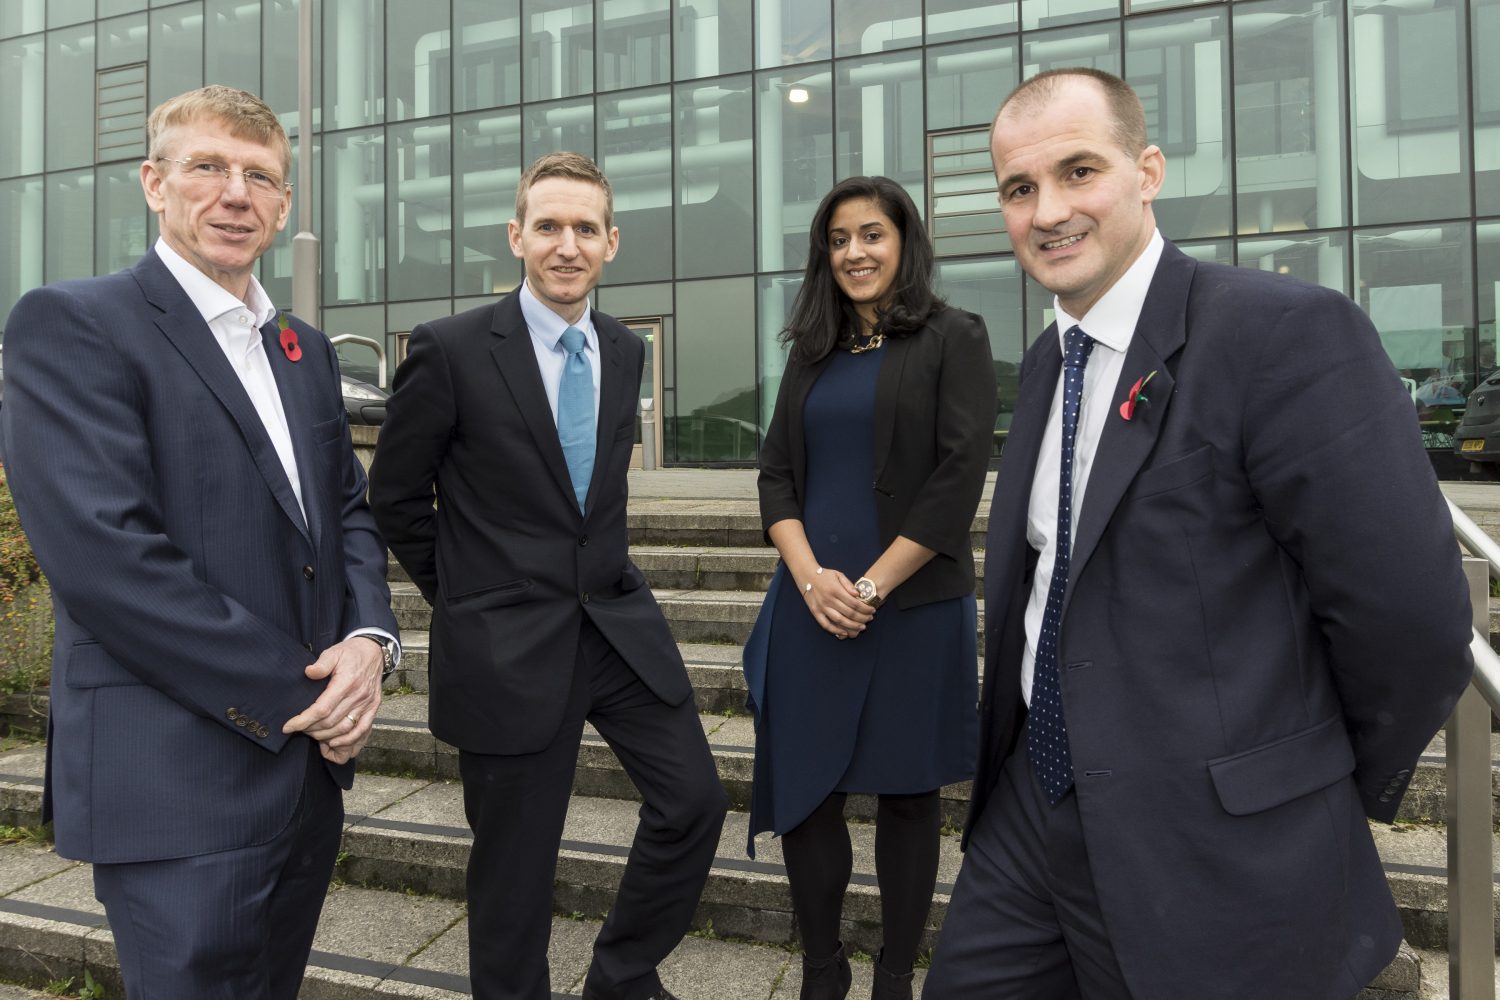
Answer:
x=289 y=339
x=1134 y=396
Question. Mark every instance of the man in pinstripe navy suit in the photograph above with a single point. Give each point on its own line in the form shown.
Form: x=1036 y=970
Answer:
x=181 y=464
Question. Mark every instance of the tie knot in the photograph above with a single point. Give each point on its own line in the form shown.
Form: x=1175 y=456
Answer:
x=572 y=340
x=1077 y=346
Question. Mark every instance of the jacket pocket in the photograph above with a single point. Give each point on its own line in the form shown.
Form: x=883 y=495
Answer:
x=328 y=431
x=494 y=596
x=1188 y=469
x=89 y=666
x=1273 y=773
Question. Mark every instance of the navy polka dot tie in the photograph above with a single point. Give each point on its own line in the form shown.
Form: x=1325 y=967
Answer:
x=1046 y=728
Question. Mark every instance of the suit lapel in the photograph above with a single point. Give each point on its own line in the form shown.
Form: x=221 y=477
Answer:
x=611 y=396
x=516 y=359
x=1125 y=445
x=291 y=385
x=887 y=390
x=182 y=324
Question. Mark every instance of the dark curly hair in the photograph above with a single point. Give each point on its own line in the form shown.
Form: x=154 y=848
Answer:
x=823 y=317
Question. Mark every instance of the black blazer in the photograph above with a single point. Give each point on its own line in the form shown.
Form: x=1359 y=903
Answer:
x=934 y=428
x=509 y=564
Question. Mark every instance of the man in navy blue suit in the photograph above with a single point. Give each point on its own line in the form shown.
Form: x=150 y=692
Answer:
x=1224 y=607
x=182 y=466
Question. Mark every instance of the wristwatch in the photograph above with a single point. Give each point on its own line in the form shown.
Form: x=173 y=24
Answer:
x=387 y=655
x=868 y=592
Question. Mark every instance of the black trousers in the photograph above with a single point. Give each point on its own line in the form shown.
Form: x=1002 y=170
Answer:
x=1024 y=920
x=516 y=806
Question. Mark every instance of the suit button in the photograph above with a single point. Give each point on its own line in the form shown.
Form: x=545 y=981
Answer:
x=262 y=732
x=584 y=597
x=242 y=722
x=307 y=646
x=233 y=714
x=583 y=540
x=307 y=573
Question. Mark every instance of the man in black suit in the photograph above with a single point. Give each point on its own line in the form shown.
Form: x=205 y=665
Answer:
x=1193 y=701
x=522 y=414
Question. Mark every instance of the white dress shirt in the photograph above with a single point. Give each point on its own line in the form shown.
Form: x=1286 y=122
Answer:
x=547 y=329
x=236 y=328
x=1111 y=323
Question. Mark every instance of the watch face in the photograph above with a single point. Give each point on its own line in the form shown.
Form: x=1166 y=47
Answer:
x=866 y=589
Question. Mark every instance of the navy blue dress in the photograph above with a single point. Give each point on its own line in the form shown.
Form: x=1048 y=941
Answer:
x=891 y=711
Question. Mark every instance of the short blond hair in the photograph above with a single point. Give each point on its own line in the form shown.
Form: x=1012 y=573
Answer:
x=574 y=166
x=245 y=115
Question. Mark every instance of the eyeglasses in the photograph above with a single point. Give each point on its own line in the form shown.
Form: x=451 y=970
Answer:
x=208 y=173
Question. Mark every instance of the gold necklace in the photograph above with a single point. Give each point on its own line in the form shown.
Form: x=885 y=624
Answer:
x=873 y=344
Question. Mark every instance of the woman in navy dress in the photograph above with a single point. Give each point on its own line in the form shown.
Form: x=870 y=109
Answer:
x=862 y=667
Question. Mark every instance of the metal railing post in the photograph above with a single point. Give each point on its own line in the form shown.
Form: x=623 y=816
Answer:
x=648 y=435
x=1471 y=907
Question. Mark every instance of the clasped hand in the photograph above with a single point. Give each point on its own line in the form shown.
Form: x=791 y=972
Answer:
x=835 y=604
x=341 y=719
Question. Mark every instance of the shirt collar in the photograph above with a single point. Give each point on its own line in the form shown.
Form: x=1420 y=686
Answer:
x=210 y=298
x=1112 y=320
x=547 y=326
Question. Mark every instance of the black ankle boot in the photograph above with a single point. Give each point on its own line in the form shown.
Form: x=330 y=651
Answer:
x=888 y=985
x=827 y=979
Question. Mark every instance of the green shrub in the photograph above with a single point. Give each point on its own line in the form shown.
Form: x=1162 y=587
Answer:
x=26 y=623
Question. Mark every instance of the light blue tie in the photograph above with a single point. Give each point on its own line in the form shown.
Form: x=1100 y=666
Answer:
x=1046 y=727
x=575 y=413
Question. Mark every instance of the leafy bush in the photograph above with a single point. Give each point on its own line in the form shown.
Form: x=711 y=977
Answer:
x=26 y=623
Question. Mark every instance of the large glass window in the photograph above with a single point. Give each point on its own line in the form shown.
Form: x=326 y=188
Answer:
x=1037 y=14
x=794 y=160
x=776 y=294
x=1487 y=235
x=276 y=268
x=952 y=20
x=1096 y=45
x=354 y=77
x=176 y=51
x=880 y=120
x=419 y=61
x=109 y=8
x=635 y=43
x=713 y=37
x=22 y=112
x=122 y=41
x=635 y=152
x=559 y=53
x=876 y=26
x=231 y=43
x=1415 y=283
x=565 y=125
x=487 y=34
x=279 y=62
x=791 y=31
x=420 y=209
x=1178 y=64
x=121 y=233
x=1486 y=90
x=484 y=182
x=70 y=97
x=1318 y=258
x=966 y=82
x=21 y=17
x=715 y=178
x=715 y=411
x=62 y=12
x=69 y=238
x=1289 y=115
x=21 y=221
x=991 y=287
x=1410 y=128
x=354 y=218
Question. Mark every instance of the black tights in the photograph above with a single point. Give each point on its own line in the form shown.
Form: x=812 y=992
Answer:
x=819 y=861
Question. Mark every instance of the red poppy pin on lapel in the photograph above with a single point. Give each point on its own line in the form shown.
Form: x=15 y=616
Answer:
x=289 y=339
x=1134 y=396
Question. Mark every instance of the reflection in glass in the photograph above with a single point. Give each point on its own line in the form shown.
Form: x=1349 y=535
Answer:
x=791 y=31
x=1487 y=256
x=420 y=211
x=354 y=218
x=122 y=40
x=484 y=187
x=419 y=61
x=21 y=221
x=635 y=152
x=1096 y=45
x=635 y=44
x=1178 y=64
x=713 y=37
x=1209 y=251
x=951 y=20
x=876 y=26
x=121 y=236
x=108 y=8
x=550 y=128
x=69 y=237
x=176 y=51
x=276 y=263
x=61 y=12
x=776 y=294
x=22 y=111
x=488 y=36
x=714 y=415
x=1053 y=13
x=1415 y=283
x=1289 y=115
x=1410 y=129
x=70 y=96
x=715 y=178
x=991 y=287
x=354 y=82
x=279 y=62
x=22 y=17
x=794 y=160
x=1486 y=90
x=1317 y=258
x=231 y=43
x=963 y=213
x=966 y=82
x=880 y=120
x=559 y=52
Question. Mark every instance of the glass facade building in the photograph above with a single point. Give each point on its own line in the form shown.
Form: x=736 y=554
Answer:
x=1355 y=143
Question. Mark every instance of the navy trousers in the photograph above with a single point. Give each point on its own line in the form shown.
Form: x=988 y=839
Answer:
x=234 y=925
